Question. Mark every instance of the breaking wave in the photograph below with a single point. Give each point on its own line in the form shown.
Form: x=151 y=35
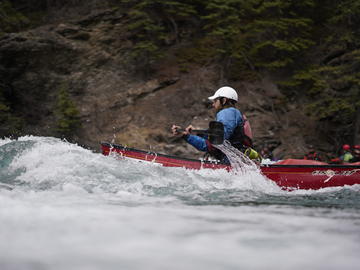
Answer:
x=50 y=164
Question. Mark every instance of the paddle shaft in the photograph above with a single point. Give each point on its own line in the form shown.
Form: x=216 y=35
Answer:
x=202 y=131
x=205 y=131
x=215 y=132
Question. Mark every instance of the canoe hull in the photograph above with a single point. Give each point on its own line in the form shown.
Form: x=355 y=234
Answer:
x=286 y=176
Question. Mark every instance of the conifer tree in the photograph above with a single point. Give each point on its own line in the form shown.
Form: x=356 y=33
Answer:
x=223 y=22
x=10 y=19
x=332 y=84
x=66 y=113
x=280 y=33
x=342 y=71
x=151 y=23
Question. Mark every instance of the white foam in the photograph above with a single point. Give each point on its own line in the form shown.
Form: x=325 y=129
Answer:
x=4 y=141
x=51 y=162
x=81 y=210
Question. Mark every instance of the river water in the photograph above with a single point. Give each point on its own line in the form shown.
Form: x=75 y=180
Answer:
x=65 y=207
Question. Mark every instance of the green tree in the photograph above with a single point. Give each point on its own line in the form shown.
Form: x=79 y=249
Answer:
x=257 y=34
x=10 y=19
x=280 y=33
x=153 y=25
x=331 y=81
x=66 y=113
x=224 y=24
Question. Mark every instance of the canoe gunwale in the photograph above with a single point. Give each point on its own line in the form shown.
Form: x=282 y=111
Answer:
x=324 y=166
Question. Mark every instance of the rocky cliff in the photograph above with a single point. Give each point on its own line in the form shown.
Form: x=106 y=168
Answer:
x=88 y=56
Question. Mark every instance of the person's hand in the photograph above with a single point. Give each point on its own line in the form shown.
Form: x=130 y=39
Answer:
x=188 y=130
x=175 y=130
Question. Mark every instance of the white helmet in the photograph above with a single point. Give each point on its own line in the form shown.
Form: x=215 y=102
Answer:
x=226 y=92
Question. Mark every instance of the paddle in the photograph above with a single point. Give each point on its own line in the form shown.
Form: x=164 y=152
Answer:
x=215 y=132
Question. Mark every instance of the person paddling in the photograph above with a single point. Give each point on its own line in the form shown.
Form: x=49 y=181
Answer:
x=237 y=128
x=346 y=156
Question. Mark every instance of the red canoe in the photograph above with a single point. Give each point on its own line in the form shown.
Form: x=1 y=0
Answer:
x=288 y=174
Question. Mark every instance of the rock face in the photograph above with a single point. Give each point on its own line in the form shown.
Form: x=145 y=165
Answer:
x=89 y=57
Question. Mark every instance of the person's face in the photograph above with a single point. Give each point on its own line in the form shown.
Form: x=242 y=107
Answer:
x=216 y=104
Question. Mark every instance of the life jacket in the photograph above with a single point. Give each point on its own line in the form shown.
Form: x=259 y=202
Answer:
x=347 y=157
x=247 y=128
x=242 y=136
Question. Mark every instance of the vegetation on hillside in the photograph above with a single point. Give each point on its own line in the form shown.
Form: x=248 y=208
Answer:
x=312 y=45
x=11 y=20
x=67 y=114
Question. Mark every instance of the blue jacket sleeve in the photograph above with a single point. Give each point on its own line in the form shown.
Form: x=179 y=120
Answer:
x=198 y=142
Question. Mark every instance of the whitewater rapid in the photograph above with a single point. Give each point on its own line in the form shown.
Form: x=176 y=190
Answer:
x=66 y=207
